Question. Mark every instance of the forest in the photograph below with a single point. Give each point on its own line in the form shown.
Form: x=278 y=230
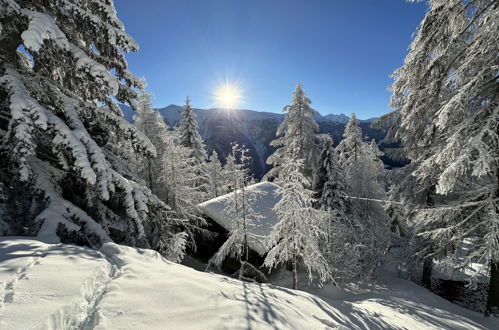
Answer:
x=74 y=171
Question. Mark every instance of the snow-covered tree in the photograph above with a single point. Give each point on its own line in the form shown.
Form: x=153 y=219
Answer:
x=350 y=148
x=62 y=67
x=448 y=102
x=341 y=246
x=151 y=124
x=230 y=170
x=298 y=128
x=184 y=191
x=188 y=133
x=242 y=218
x=296 y=237
x=331 y=187
x=363 y=171
x=215 y=176
x=362 y=167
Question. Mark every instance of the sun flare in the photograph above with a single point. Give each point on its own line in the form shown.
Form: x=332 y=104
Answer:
x=228 y=96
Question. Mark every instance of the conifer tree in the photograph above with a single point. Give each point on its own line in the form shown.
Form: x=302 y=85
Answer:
x=61 y=146
x=341 y=246
x=331 y=187
x=215 y=176
x=350 y=148
x=229 y=170
x=242 y=218
x=299 y=129
x=363 y=171
x=447 y=98
x=295 y=238
x=180 y=179
x=151 y=124
x=188 y=133
x=362 y=167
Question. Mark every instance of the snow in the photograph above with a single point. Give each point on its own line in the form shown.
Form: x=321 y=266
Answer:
x=460 y=266
x=58 y=286
x=263 y=197
x=43 y=27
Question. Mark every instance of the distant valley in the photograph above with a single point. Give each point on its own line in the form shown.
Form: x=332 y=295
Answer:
x=253 y=129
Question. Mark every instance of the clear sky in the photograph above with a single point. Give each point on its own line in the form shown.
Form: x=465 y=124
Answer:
x=341 y=51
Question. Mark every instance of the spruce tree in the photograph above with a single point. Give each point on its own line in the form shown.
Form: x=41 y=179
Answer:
x=447 y=98
x=363 y=171
x=332 y=189
x=188 y=133
x=242 y=218
x=341 y=246
x=350 y=148
x=62 y=68
x=151 y=124
x=296 y=237
x=215 y=176
x=362 y=167
x=180 y=179
x=299 y=129
x=228 y=173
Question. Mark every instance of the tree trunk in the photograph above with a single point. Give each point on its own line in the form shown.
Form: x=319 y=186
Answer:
x=149 y=173
x=241 y=270
x=295 y=274
x=493 y=294
x=426 y=277
x=428 y=262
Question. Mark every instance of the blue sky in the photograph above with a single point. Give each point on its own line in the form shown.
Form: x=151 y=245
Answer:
x=341 y=51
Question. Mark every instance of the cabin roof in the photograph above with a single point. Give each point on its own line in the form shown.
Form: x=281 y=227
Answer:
x=263 y=201
x=458 y=268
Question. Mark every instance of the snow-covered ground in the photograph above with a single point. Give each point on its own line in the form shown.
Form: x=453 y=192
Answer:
x=59 y=286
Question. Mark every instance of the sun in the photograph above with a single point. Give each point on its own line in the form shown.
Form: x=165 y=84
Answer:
x=228 y=96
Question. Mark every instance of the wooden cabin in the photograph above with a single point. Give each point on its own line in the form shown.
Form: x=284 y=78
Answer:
x=262 y=197
x=452 y=274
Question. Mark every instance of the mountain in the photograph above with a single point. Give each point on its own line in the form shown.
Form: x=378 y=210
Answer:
x=253 y=129
x=341 y=118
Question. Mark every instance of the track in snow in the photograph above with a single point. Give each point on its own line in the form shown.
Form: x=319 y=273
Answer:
x=8 y=290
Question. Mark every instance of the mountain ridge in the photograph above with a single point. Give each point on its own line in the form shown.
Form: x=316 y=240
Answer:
x=253 y=129
x=340 y=118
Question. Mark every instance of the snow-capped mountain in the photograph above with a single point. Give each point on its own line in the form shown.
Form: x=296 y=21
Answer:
x=253 y=129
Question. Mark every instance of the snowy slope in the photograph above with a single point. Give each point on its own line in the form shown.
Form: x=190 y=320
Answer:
x=57 y=286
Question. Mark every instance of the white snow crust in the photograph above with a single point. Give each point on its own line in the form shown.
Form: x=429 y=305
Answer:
x=265 y=198
x=60 y=286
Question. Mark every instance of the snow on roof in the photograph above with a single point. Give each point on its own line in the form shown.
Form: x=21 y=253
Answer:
x=265 y=198
x=457 y=267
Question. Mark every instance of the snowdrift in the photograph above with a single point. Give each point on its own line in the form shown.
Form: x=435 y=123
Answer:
x=58 y=286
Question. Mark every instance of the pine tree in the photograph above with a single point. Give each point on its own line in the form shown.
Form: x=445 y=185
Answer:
x=447 y=98
x=180 y=179
x=363 y=171
x=362 y=167
x=228 y=173
x=350 y=148
x=295 y=238
x=215 y=176
x=242 y=218
x=298 y=128
x=64 y=128
x=151 y=124
x=341 y=245
x=331 y=187
x=188 y=133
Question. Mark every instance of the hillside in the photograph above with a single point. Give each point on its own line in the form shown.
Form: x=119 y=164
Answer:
x=59 y=286
x=253 y=129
